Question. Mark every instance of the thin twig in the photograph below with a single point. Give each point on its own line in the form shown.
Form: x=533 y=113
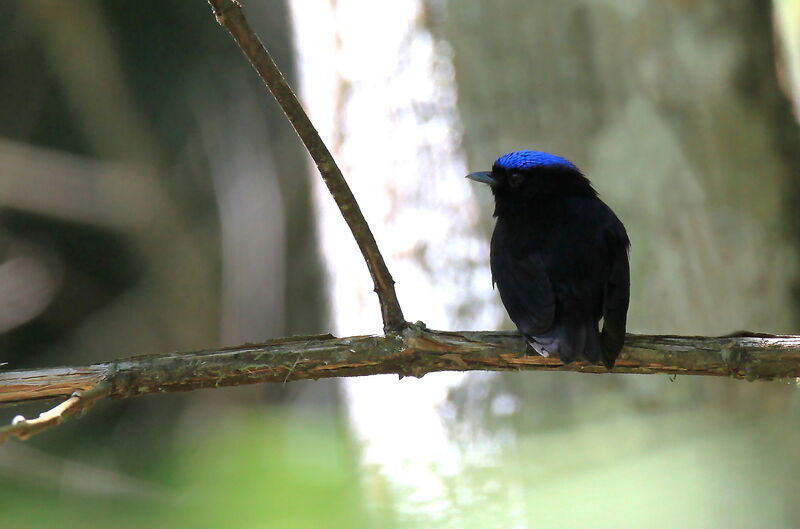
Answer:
x=80 y=400
x=229 y=15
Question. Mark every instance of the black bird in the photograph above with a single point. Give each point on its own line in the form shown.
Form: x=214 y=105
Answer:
x=559 y=257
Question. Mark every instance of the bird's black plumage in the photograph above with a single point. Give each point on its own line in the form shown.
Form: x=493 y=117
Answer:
x=559 y=257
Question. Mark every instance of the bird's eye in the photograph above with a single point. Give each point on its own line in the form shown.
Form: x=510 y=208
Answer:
x=515 y=179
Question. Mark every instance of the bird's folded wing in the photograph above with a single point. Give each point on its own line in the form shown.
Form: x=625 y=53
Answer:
x=525 y=290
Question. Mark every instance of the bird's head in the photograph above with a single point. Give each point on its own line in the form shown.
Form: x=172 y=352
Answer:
x=519 y=177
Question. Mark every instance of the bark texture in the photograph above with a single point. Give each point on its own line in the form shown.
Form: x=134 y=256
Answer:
x=415 y=352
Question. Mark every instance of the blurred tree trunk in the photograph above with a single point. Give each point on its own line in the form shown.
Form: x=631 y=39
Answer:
x=674 y=112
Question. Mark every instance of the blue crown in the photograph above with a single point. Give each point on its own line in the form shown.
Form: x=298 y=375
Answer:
x=531 y=159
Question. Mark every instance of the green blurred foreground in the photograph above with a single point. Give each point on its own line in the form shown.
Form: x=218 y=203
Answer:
x=253 y=470
x=695 y=468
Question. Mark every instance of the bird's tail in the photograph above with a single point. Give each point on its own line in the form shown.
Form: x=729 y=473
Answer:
x=613 y=338
x=569 y=341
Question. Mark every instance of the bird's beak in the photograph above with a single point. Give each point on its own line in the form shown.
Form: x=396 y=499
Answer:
x=483 y=176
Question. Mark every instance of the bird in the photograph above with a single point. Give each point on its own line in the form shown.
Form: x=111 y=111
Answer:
x=558 y=257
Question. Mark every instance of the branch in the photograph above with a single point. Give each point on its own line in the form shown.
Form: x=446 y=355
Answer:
x=229 y=14
x=414 y=352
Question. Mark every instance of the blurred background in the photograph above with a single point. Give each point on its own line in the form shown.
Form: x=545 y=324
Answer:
x=154 y=199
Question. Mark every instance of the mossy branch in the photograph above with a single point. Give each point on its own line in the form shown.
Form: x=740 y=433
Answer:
x=414 y=352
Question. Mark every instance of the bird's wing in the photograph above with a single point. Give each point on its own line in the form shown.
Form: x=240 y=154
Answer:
x=615 y=299
x=525 y=290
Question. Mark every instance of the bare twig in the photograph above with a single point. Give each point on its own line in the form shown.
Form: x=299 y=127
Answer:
x=229 y=14
x=79 y=401
x=414 y=352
